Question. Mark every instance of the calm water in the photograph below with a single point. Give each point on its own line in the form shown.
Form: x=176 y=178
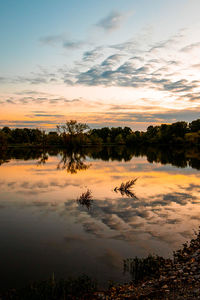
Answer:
x=43 y=229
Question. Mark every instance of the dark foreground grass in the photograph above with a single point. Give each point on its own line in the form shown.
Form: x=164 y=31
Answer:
x=53 y=289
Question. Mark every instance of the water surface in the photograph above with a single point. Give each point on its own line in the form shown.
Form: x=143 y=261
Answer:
x=43 y=229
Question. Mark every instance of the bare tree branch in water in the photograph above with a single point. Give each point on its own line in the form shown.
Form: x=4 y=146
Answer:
x=85 y=199
x=124 y=188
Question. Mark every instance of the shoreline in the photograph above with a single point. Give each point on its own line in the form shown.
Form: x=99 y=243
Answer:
x=154 y=278
x=177 y=278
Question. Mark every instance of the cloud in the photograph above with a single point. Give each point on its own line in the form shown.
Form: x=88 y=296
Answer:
x=128 y=47
x=93 y=54
x=52 y=40
x=162 y=66
x=191 y=47
x=178 y=197
x=127 y=220
x=73 y=45
x=191 y=97
x=160 y=75
x=131 y=107
x=122 y=219
x=38 y=187
x=128 y=74
x=3 y=79
x=30 y=92
x=112 y=60
x=62 y=41
x=182 y=85
x=93 y=228
x=32 y=80
x=38 y=98
x=112 y=21
x=9 y=101
x=133 y=116
x=167 y=116
x=46 y=115
x=29 y=123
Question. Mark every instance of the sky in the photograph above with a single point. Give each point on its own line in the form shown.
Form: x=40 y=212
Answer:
x=105 y=63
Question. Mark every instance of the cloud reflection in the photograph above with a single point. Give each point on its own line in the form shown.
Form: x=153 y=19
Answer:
x=168 y=198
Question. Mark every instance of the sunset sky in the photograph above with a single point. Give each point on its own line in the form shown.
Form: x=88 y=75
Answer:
x=107 y=63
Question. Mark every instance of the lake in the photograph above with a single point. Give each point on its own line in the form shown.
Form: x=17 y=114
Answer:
x=44 y=229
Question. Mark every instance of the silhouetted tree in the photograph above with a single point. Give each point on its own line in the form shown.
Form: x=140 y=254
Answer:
x=195 y=125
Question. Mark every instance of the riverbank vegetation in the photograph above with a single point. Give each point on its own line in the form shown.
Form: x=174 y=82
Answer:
x=73 y=133
x=153 y=277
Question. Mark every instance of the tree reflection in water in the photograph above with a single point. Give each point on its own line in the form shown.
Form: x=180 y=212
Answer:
x=43 y=158
x=3 y=158
x=72 y=161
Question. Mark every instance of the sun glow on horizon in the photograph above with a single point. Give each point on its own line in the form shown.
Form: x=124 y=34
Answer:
x=134 y=78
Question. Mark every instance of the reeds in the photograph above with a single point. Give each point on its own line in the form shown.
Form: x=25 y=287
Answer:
x=141 y=268
x=85 y=199
x=125 y=188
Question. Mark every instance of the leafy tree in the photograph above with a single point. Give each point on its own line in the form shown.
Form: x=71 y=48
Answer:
x=131 y=139
x=7 y=130
x=193 y=138
x=195 y=125
x=3 y=139
x=53 y=138
x=95 y=139
x=179 y=128
x=72 y=128
x=119 y=139
x=126 y=131
x=152 y=133
x=73 y=132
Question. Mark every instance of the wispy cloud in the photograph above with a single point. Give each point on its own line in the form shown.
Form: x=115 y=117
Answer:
x=62 y=40
x=159 y=76
x=93 y=55
x=71 y=45
x=191 y=47
x=37 y=99
x=3 y=79
x=52 y=40
x=112 y=21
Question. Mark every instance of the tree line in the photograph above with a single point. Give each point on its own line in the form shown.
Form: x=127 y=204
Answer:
x=73 y=133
